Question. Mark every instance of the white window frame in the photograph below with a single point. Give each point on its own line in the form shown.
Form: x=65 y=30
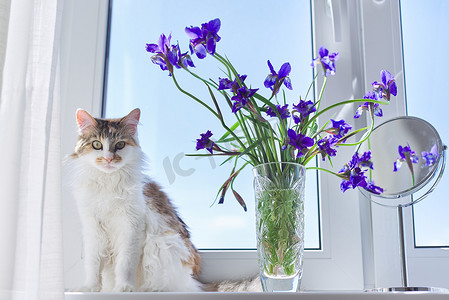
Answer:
x=426 y=266
x=82 y=56
x=353 y=248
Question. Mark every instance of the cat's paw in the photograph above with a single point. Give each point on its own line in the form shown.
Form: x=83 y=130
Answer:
x=123 y=287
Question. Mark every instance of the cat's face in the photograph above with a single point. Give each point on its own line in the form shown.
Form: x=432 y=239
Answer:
x=107 y=144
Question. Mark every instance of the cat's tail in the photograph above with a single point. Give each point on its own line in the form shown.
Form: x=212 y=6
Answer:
x=246 y=285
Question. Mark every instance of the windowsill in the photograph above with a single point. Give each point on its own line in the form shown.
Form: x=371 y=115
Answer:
x=315 y=295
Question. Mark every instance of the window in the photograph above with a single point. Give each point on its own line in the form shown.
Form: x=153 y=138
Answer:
x=356 y=240
x=425 y=80
x=171 y=121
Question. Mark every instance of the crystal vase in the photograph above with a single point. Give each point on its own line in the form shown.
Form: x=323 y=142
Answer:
x=279 y=193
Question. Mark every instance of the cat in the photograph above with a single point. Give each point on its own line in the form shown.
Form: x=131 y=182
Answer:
x=133 y=237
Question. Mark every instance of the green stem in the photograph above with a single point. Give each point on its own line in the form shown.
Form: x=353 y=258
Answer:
x=322 y=169
x=340 y=104
x=194 y=98
x=321 y=93
x=211 y=110
x=366 y=135
x=199 y=78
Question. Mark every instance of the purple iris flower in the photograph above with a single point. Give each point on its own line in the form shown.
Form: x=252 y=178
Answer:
x=371 y=187
x=325 y=145
x=327 y=60
x=406 y=154
x=430 y=157
x=296 y=119
x=282 y=110
x=353 y=173
x=387 y=87
x=305 y=108
x=204 y=142
x=360 y=110
x=225 y=83
x=167 y=56
x=241 y=94
x=242 y=97
x=356 y=177
x=203 y=40
x=274 y=80
x=339 y=128
x=377 y=111
x=370 y=95
x=369 y=106
x=300 y=142
x=365 y=160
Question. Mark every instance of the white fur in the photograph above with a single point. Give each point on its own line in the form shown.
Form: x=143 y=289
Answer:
x=127 y=246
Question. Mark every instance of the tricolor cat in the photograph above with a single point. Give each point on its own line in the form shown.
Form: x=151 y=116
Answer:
x=133 y=238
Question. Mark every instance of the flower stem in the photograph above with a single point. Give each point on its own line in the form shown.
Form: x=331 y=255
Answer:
x=321 y=93
x=322 y=169
x=194 y=98
x=211 y=110
x=340 y=104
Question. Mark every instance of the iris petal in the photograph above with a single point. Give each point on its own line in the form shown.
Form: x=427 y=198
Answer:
x=187 y=61
x=273 y=72
x=393 y=88
x=156 y=59
x=193 y=32
x=270 y=81
x=434 y=150
x=323 y=52
x=288 y=83
x=307 y=141
x=214 y=25
x=334 y=56
x=386 y=77
x=210 y=44
x=200 y=51
x=377 y=110
x=173 y=57
x=284 y=70
x=164 y=43
x=153 y=48
x=224 y=83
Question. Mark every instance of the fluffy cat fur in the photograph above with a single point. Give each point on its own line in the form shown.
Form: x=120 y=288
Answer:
x=133 y=238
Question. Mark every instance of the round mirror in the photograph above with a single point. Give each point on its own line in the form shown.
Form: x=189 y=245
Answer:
x=406 y=153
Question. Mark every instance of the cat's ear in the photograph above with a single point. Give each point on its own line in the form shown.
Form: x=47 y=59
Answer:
x=85 y=121
x=131 y=121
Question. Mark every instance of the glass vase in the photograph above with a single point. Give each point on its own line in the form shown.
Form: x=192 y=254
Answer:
x=279 y=193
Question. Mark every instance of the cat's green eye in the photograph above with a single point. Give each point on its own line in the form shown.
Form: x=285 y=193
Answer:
x=97 y=145
x=120 y=145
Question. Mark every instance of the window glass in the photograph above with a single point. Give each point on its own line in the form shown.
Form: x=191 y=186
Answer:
x=252 y=32
x=425 y=39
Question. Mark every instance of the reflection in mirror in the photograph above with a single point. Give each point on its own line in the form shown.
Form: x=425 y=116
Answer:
x=406 y=154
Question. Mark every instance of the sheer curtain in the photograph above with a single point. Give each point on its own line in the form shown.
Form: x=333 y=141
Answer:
x=31 y=260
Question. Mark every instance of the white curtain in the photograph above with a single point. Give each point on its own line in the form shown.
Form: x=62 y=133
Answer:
x=31 y=260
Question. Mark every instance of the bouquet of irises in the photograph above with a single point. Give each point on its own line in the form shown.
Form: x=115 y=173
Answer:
x=296 y=136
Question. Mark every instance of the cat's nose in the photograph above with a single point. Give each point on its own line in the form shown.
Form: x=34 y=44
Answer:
x=108 y=159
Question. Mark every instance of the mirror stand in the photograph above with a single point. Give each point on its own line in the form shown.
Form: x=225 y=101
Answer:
x=401 y=229
x=400 y=141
